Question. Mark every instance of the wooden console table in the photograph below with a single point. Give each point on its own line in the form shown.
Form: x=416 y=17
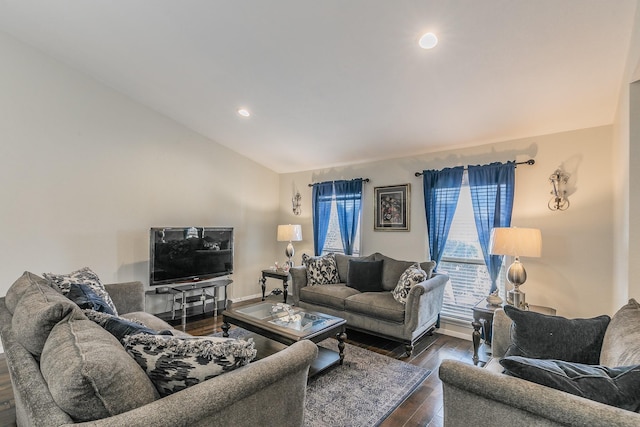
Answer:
x=275 y=274
x=483 y=321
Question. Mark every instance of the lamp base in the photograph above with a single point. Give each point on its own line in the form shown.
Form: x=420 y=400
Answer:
x=289 y=251
x=516 y=298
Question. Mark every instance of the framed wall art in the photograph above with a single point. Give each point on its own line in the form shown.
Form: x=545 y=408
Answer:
x=392 y=206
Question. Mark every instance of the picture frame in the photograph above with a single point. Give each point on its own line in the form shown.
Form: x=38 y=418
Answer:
x=392 y=207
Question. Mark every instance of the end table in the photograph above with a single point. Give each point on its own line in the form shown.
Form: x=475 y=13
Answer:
x=275 y=274
x=483 y=320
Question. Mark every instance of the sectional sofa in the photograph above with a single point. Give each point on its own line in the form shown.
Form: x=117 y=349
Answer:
x=66 y=369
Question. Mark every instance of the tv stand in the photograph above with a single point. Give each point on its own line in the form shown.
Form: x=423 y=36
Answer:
x=196 y=293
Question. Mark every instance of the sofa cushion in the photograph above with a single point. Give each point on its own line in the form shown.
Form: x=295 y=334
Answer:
x=321 y=270
x=327 y=295
x=84 y=276
x=174 y=364
x=342 y=262
x=86 y=298
x=411 y=277
x=541 y=336
x=379 y=305
x=19 y=287
x=365 y=276
x=89 y=374
x=392 y=270
x=428 y=267
x=621 y=344
x=611 y=386
x=38 y=311
x=120 y=327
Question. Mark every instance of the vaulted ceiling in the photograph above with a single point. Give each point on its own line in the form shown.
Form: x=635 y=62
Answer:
x=336 y=82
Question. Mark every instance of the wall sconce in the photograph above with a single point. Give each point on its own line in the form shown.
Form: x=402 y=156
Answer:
x=559 y=201
x=295 y=203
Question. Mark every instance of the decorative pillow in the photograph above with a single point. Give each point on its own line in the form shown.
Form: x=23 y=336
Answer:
x=365 y=276
x=611 y=386
x=38 y=311
x=85 y=297
x=19 y=287
x=621 y=346
x=392 y=270
x=411 y=277
x=342 y=261
x=90 y=375
x=174 y=364
x=120 y=327
x=321 y=270
x=541 y=336
x=84 y=276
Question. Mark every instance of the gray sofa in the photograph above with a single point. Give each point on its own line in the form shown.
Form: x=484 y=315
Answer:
x=487 y=397
x=377 y=313
x=242 y=397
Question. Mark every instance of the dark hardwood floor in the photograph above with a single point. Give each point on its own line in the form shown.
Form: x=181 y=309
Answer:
x=422 y=408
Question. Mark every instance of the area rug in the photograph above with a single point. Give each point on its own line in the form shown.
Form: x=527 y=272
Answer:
x=361 y=392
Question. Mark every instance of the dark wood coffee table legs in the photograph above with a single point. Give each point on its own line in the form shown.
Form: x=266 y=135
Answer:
x=342 y=337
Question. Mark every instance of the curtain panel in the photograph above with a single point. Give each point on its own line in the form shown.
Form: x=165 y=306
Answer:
x=441 y=192
x=322 y=193
x=348 y=203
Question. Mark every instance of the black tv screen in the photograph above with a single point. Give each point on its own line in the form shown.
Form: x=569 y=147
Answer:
x=189 y=254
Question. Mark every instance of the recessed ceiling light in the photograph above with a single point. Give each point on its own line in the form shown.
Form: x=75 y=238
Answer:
x=428 y=41
x=244 y=112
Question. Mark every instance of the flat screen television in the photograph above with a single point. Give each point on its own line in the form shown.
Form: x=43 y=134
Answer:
x=189 y=254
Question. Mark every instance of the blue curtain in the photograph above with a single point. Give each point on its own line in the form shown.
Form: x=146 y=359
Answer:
x=321 y=206
x=441 y=191
x=492 y=189
x=348 y=203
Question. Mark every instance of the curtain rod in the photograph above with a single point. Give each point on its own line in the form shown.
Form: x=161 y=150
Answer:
x=528 y=162
x=363 y=180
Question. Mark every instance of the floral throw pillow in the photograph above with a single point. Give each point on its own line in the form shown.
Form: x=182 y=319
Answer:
x=84 y=276
x=173 y=364
x=411 y=277
x=321 y=270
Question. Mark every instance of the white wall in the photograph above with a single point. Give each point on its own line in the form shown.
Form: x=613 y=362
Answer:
x=574 y=274
x=86 y=172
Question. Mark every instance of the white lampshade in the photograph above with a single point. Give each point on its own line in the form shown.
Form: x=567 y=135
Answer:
x=289 y=233
x=517 y=242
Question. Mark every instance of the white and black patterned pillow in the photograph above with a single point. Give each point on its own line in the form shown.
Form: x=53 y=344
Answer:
x=321 y=270
x=84 y=276
x=411 y=276
x=173 y=364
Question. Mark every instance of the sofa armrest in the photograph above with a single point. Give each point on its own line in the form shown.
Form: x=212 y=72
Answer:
x=501 y=333
x=127 y=296
x=298 y=281
x=479 y=397
x=424 y=301
x=243 y=397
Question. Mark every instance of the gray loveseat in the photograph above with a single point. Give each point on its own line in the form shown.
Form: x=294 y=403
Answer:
x=377 y=313
x=100 y=378
x=487 y=397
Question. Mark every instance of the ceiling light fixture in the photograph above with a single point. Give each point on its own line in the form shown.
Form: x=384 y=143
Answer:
x=244 y=112
x=428 y=41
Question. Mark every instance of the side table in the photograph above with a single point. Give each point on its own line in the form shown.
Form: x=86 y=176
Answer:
x=275 y=274
x=483 y=321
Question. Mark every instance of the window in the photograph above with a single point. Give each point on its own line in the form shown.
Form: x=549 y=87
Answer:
x=333 y=241
x=463 y=262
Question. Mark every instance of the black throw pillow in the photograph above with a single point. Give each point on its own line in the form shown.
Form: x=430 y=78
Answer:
x=120 y=327
x=365 y=276
x=612 y=386
x=86 y=298
x=541 y=336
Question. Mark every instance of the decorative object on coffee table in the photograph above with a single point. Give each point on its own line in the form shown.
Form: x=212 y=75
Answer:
x=516 y=242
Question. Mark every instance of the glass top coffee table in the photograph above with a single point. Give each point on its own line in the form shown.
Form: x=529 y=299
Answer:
x=287 y=325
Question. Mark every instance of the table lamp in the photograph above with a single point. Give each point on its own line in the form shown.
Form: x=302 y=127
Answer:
x=516 y=242
x=289 y=233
